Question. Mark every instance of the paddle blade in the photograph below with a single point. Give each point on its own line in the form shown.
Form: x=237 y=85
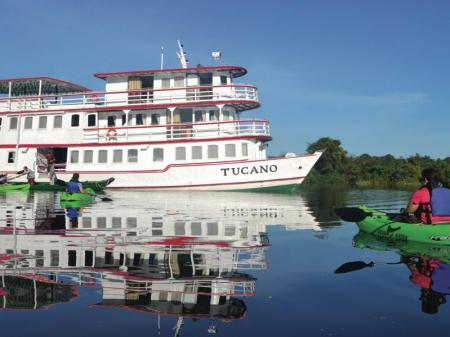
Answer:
x=351 y=214
x=105 y=199
x=353 y=266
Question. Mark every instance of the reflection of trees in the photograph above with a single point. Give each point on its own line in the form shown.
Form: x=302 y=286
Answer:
x=30 y=293
x=322 y=201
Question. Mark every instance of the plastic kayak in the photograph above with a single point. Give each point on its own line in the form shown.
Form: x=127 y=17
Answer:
x=383 y=226
x=85 y=198
x=14 y=187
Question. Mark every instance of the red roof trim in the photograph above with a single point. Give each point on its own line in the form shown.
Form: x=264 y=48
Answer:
x=235 y=70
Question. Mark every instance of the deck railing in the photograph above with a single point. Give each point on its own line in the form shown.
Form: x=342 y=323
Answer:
x=94 y=100
x=236 y=128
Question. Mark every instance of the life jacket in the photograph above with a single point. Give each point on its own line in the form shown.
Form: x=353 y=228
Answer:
x=73 y=187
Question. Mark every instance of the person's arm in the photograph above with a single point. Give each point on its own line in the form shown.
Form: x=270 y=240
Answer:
x=80 y=186
x=412 y=207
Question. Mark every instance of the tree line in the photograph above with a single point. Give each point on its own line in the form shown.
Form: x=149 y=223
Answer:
x=337 y=167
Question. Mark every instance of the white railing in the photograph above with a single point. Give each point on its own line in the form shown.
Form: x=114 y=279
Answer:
x=94 y=100
x=178 y=131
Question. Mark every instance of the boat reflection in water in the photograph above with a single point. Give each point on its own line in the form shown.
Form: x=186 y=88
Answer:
x=171 y=254
x=429 y=267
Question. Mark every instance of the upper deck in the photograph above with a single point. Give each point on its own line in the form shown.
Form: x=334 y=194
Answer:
x=163 y=88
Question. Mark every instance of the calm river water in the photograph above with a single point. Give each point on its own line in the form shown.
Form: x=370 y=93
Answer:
x=200 y=263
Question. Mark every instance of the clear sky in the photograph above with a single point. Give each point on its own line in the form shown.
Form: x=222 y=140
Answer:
x=374 y=74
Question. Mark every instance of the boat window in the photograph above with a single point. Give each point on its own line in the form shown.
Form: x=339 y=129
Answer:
x=230 y=231
x=13 y=123
x=92 y=120
x=101 y=222
x=132 y=156
x=179 y=228
x=139 y=119
x=103 y=156
x=88 y=156
x=223 y=79
x=11 y=157
x=196 y=228
x=72 y=258
x=165 y=83
x=158 y=154
x=179 y=81
x=0 y=123
x=117 y=156
x=88 y=258
x=230 y=150
x=199 y=116
x=213 y=151
x=180 y=153
x=112 y=120
x=75 y=121
x=124 y=119
x=74 y=156
x=132 y=222
x=28 y=122
x=57 y=122
x=156 y=119
x=244 y=150
x=86 y=222
x=212 y=115
x=109 y=258
x=212 y=228
x=42 y=122
x=54 y=258
x=196 y=152
x=116 y=222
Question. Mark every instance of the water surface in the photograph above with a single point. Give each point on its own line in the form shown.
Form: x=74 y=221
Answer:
x=199 y=263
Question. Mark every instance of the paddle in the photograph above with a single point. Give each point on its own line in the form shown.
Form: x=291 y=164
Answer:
x=93 y=194
x=358 y=265
x=103 y=198
x=352 y=214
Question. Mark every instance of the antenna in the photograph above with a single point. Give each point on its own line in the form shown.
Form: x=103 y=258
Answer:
x=182 y=55
x=216 y=55
x=162 y=57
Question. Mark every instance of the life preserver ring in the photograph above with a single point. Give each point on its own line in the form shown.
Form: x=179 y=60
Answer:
x=111 y=135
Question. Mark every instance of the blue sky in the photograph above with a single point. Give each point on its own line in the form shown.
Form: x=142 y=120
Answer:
x=374 y=74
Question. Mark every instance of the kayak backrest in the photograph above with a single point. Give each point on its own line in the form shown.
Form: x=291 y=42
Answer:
x=440 y=201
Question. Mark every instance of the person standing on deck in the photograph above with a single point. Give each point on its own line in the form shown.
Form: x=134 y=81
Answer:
x=74 y=185
x=425 y=201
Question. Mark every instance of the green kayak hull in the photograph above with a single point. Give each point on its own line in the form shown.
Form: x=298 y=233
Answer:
x=382 y=227
x=14 y=187
x=85 y=198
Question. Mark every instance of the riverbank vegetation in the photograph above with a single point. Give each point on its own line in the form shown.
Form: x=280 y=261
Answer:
x=336 y=167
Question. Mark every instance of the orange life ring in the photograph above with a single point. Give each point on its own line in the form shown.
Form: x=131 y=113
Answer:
x=111 y=134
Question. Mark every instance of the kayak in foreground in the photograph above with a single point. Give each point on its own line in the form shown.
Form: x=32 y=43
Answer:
x=14 y=187
x=384 y=227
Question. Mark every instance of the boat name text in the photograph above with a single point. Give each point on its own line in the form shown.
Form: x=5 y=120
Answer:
x=249 y=170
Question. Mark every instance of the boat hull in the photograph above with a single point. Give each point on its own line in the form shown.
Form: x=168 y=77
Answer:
x=274 y=174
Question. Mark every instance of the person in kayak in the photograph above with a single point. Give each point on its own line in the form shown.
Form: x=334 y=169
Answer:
x=74 y=185
x=30 y=175
x=3 y=179
x=421 y=205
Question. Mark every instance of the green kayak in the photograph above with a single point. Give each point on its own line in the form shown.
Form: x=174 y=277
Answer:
x=60 y=185
x=14 y=187
x=383 y=227
x=85 y=198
